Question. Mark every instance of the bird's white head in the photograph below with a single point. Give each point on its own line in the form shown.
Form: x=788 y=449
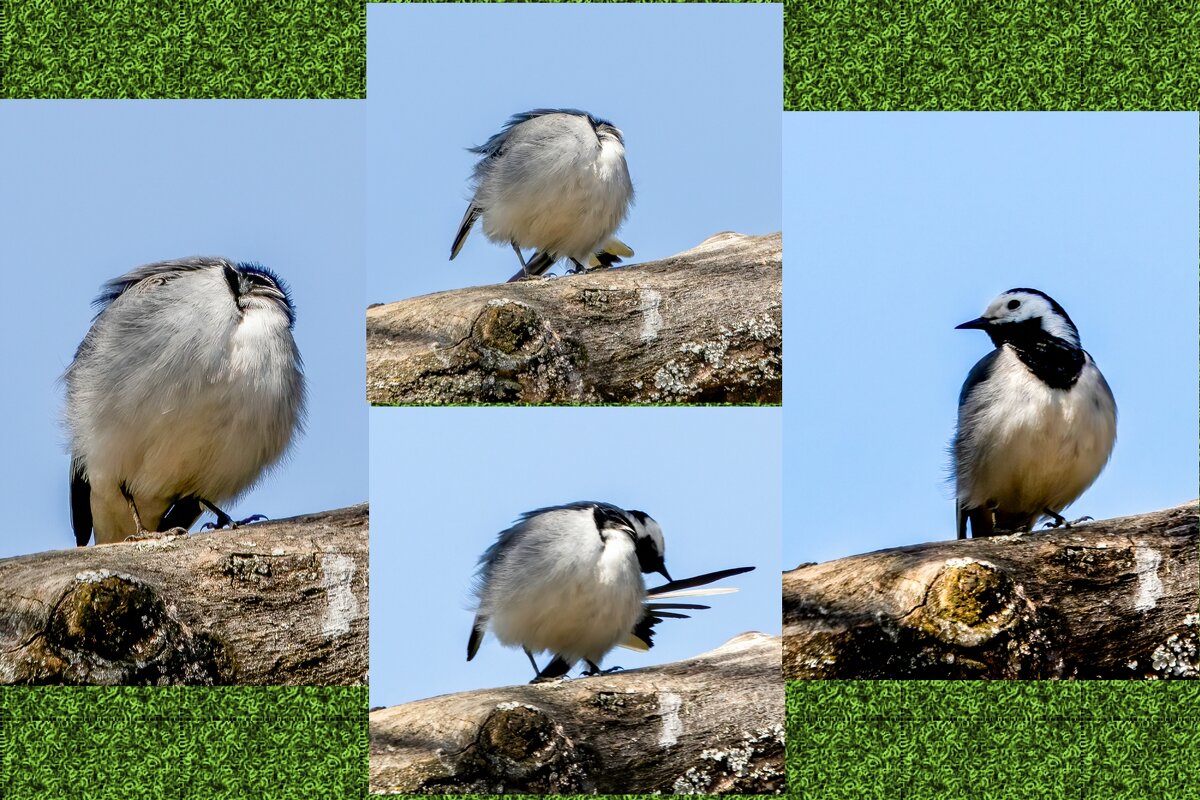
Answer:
x=648 y=539
x=1019 y=313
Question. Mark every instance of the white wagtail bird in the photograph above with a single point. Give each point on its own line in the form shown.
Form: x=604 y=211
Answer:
x=554 y=180
x=185 y=389
x=1036 y=419
x=568 y=580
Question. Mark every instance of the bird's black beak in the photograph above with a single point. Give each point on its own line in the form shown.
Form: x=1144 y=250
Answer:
x=976 y=324
x=663 y=571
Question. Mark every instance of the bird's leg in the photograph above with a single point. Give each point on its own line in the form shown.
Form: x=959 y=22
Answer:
x=1059 y=520
x=557 y=668
x=223 y=519
x=578 y=267
x=142 y=534
x=520 y=257
x=536 y=670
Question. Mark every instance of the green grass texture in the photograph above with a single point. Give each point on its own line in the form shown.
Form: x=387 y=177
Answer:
x=183 y=742
x=1001 y=740
x=1017 y=55
x=188 y=49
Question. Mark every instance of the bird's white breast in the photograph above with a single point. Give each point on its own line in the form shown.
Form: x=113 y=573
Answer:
x=211 y=433
x=566 y=196
x=1033 y=447
x=578 y=602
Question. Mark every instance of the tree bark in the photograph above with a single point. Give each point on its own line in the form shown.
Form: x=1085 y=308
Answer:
x=272 y=603
x=1110 y=599
x=705 y=326
x=710 y=725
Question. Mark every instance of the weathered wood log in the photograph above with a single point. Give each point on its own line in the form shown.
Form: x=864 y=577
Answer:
x=710 y=725
x=1110 y=599
x=704 y=326
x=281 y=602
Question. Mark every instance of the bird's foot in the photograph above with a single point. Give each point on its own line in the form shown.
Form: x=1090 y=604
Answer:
x=1063 y=523
x=224 y=521
x=593 y=670
x=1058 y=521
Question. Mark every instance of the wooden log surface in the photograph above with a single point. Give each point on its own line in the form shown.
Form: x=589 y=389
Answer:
x=1111 y=599
x=711 y=725
x=704 y=326
x=280 y=602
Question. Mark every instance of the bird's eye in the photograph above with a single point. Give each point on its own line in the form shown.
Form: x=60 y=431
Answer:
x=1013 y=304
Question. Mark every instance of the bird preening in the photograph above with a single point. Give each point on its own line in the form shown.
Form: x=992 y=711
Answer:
x=1036 y=419
x=568 y=580
x=556 y=181
x=187 y=387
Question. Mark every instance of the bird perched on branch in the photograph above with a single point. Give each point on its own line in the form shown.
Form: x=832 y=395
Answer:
x=1036 y=419
x=554 y=180
x=185 y=389
x=568 y=580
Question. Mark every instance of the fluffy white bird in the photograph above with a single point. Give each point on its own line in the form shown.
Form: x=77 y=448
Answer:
x=185 y=389
x=1036 y=419
x=554 y=180
x=568 y=580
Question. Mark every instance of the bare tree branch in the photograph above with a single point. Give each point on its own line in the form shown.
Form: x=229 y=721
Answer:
x=1110 y=599
x=704 y=326
x=711 y=725
x=272 y=603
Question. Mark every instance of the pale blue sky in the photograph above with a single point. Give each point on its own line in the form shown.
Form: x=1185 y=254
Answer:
x=93 y=189
x=900 y=226
x=446 y=481
x=696 y=90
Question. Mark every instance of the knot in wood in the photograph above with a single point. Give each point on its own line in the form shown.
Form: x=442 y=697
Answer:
x=109 y=615
x=508 y=328
x=970 y=602
x=516 y=733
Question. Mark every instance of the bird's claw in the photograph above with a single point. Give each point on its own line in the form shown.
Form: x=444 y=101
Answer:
x=225 y=521
x=591 y=673
x=1060 y=522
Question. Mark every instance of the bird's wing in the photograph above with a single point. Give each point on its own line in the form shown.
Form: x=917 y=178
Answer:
x=118 y=286
x=978 y=374
x=710 y=592
x=81 y=505
x=611 y=252
x=699 y=580
x=642 y=635
x=464 y=228
x=477 y=630
x=495 y=144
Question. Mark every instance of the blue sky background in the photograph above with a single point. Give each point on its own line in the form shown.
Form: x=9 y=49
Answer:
x=446 y=481
x=93 y=189
x=900 y=226
x=696 y=91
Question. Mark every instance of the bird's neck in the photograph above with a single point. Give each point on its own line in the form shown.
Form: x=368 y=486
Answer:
x=1056 y=362
x=617 y=559
x=611 y=155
